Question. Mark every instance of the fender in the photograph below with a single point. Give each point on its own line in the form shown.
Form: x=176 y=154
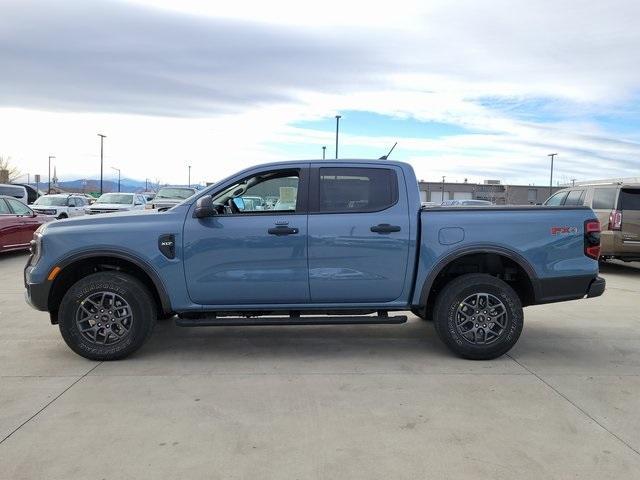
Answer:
x=472 y=249
x=130 y=257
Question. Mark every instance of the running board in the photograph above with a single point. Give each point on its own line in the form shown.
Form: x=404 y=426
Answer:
x=267 y=321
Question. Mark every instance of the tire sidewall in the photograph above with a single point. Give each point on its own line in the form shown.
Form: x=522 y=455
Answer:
x=446 y=321
x=134 y=293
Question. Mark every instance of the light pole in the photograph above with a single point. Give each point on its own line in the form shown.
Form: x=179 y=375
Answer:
x=443 y=188
x=338 y=117
x=102 y=137
x=324 y=151
x=552 y=155
x=50 y=157
x=189 y=178
x=118 y=177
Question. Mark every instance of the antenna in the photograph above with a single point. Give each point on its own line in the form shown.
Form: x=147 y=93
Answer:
x=386 y=157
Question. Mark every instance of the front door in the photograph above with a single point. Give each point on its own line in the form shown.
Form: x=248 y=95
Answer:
x=358 y=234
x=24 y=219
x=254 y=251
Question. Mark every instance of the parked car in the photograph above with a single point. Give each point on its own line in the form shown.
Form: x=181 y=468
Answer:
x=32 y=193
x=61 y=205
x=117 y=202
x=15 y=191
x=167 y=197
x=343 y=239
x=466 y=203
x=17 y=224
x=617 y=206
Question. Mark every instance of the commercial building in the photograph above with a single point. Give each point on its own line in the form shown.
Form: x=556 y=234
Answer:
x=491 y=190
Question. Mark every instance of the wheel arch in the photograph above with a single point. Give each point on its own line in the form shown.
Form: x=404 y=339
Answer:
x=75 y=266
x=528 y=287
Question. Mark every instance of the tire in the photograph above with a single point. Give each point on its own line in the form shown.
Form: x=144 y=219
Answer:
x=131 y=318
x=62 y=216
x=460 y=322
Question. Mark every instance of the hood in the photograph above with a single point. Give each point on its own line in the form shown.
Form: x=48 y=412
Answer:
x=118 y=206
x=114 y=220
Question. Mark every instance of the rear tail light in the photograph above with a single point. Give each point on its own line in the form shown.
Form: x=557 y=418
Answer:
x=615 y=220
x=592 y=239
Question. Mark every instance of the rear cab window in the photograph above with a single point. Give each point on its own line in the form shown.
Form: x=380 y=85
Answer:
x=356 y=190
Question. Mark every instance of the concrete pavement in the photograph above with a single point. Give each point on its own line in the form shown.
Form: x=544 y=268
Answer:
x=356 y=402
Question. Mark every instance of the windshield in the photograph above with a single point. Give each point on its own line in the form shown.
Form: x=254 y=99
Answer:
x=172 y=192
x=51 y=201
x=117 y=198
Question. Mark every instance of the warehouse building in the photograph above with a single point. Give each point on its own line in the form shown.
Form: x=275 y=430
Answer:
x=491 y=190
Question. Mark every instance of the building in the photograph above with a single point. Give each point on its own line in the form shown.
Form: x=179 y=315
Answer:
x=491 y=190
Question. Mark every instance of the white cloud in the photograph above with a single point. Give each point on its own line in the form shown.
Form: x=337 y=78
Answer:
x=218 y=86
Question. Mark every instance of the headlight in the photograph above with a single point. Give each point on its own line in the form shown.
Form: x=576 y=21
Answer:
x=36 y=245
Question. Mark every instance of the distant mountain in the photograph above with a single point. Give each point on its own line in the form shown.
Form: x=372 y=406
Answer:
x=93 y=185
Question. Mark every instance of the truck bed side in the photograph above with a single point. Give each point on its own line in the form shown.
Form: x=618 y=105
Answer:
x=545 y=244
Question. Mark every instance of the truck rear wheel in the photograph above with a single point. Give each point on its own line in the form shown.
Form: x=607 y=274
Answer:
x=478 y=316
x=106 y=316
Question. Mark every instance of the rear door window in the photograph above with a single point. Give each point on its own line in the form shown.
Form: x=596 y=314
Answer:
x=629 y=199
x=345 y=189
x=574 y=198
x=604 y=198
x=4 y=208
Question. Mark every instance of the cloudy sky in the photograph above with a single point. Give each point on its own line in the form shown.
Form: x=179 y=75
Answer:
x=468 y=89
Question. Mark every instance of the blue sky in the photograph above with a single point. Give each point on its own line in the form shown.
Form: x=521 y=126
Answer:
x=468 y=89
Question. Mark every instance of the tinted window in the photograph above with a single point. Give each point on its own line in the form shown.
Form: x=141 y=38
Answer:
x=17 y=192
x=556 y=199
x=629 y=199
x=357 y=189
x=18 y=207
x=604 y=198
x=4 y=209
x=574 y=198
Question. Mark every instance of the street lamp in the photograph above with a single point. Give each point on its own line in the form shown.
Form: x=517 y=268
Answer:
x=338 y=117
x=324 y=151
x=50 y=157
x=551 y=179
x=443 y=177
x=189 y=181
x=102 y=137
x=118 y=177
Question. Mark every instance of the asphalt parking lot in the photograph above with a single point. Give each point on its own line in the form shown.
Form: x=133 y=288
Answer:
x=357 y=402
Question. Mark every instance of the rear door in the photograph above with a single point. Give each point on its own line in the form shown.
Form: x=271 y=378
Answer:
x=358 y=233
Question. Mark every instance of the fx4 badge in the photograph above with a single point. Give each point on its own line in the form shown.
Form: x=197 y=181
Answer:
x=564 y=230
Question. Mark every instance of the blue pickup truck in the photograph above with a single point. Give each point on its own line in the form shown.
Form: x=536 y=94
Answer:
x=308 y=243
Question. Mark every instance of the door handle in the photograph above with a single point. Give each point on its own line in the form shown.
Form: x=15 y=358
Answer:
x=385 y=228
x=282 y=230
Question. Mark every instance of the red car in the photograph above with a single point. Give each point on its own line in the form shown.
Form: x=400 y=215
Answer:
x=17 y=224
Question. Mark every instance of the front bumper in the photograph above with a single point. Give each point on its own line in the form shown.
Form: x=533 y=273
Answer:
x=596 y=288
x=36 y=294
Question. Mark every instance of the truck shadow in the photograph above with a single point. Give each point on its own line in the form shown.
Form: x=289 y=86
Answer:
x=630 y=269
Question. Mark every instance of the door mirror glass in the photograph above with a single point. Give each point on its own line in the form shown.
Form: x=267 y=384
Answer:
x=239 y=203
x=204 y=207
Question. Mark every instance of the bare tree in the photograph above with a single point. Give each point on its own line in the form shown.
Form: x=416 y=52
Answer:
x=5 y=164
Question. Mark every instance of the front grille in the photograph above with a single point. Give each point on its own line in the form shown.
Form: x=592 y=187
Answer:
x=94 y=211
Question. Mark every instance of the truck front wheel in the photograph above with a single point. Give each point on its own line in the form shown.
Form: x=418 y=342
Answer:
x=106 y=316
x=478 y=316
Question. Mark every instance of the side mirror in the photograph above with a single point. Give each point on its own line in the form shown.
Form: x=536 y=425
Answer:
x=204 y=207
x=239 y=203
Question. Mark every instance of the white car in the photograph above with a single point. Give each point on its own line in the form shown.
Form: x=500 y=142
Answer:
x=60 y=205
x=117 y=202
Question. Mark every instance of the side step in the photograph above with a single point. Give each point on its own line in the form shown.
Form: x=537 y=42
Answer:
x=265 y=321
